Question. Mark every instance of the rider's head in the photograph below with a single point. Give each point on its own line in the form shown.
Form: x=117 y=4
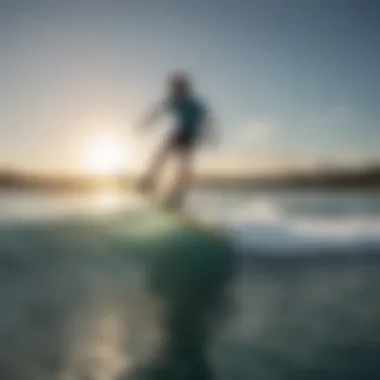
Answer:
x=179 y=85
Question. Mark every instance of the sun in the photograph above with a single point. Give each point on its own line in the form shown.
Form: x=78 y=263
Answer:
x=105 y=154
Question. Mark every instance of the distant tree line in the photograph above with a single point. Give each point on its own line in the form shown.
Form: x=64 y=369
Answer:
x=361 y=178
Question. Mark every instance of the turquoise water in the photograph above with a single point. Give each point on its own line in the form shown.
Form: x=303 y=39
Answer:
x=302 y=302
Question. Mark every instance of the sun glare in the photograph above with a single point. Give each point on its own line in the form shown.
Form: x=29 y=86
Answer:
x=106 y=155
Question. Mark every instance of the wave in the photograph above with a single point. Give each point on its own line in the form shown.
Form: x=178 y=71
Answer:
x=98 y=297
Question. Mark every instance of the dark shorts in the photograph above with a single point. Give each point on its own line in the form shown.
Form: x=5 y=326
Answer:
x=184 y=139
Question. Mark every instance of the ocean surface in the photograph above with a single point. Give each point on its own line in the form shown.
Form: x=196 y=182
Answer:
x=303 y=301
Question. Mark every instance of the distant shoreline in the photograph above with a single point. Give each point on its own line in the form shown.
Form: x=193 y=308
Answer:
x=367 y=178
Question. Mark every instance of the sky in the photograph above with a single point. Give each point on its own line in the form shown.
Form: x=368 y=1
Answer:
x=289 y=80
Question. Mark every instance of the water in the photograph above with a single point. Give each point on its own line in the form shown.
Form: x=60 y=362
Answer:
x=280 y=221
x=303 y=302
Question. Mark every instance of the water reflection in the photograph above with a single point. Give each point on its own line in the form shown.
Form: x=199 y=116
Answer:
x=108 y=200
x=113 y=200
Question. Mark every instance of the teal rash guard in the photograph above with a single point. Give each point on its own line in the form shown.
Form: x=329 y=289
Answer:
x=190 y=114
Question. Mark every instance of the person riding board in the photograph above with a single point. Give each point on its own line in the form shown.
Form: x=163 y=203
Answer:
x=193 y=122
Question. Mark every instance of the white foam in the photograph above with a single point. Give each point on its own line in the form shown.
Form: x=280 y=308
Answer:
x=264 y=225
